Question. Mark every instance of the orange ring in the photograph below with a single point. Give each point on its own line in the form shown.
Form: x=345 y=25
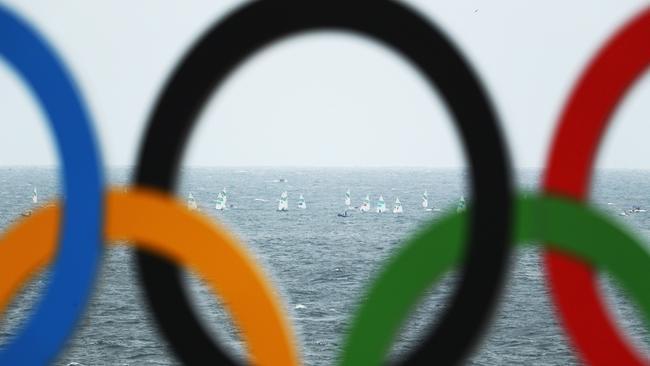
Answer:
x=156 y=222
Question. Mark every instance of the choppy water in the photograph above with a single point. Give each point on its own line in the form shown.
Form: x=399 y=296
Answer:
x=322 y=262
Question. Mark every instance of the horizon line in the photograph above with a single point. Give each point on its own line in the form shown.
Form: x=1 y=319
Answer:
x=123 y=166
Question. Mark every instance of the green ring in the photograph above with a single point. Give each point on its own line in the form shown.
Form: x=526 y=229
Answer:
x=574 y=228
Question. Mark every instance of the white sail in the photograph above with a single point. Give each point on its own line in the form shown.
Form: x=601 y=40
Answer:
x=283 y=202
x=35 y=196
x=398 y=206
x=461 y=204
x=301 y=202
x=425 y=200
x=191 y=202
x=222 y=200
x=381 y=204
x=219 y=200
x=347 y=198
x=365 y=206
x=225 y=197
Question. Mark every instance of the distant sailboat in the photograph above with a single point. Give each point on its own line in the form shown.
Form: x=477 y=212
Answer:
x=425 y=200
x=222 y=200
x=191 y=202
x=365 y=206
x=347 y=198
x=283 y=202
x=398 y=206
x=34 y=200
x=381 y=204
x=301 y=202
x=635 y=209
x=461 y=204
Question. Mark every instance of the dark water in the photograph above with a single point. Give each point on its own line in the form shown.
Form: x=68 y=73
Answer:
x=323 y=263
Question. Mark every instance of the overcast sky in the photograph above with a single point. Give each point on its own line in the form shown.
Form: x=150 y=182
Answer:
x=324 y=99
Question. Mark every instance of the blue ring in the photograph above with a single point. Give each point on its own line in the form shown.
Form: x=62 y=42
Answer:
x=80 y=242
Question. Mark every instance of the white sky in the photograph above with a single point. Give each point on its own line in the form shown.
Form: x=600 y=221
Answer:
x=325 y=99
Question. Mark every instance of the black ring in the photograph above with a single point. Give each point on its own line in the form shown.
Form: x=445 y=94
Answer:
x=259 y=24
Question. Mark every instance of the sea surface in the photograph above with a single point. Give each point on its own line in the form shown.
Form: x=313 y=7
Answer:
x=322 y=263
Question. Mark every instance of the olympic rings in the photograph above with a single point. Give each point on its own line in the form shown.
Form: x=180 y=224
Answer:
x=159 y=224
x=73 y=271
x=573 y=228
x=259 y=24
x=150 y=218
x=581 y=126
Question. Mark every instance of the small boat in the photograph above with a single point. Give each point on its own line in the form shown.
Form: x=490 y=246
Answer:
x=461 y=204
x=398 y=206
x=381 y=204
x=347 y=198
x=425 y=200
x=222 y=201
x=301 y=202
x=635 y=209
x=365 y=206
x=191 y=202
x=283 y=202
x=343 y=214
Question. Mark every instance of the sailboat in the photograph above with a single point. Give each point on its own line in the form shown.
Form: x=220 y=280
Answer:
x=301 y=202
x=398 y=206
x=347 y=198
x=191 y=202
x=34 y=200
x=425 y=200
x=283 y=202
x=365 y=206
x=222 y=200
x=381 y=204
x=461 y=204
x=635 y=209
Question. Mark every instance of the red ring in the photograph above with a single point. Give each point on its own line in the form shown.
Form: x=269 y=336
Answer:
x=586 y=115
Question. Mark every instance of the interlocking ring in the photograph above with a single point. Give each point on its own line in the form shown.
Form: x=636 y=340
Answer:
x=159 y=224
x=73 y=271
x=583 y=122
x=573 y=229
x=261 y=23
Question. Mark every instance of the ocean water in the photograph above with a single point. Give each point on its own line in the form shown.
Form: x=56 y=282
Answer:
x=322 y=263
